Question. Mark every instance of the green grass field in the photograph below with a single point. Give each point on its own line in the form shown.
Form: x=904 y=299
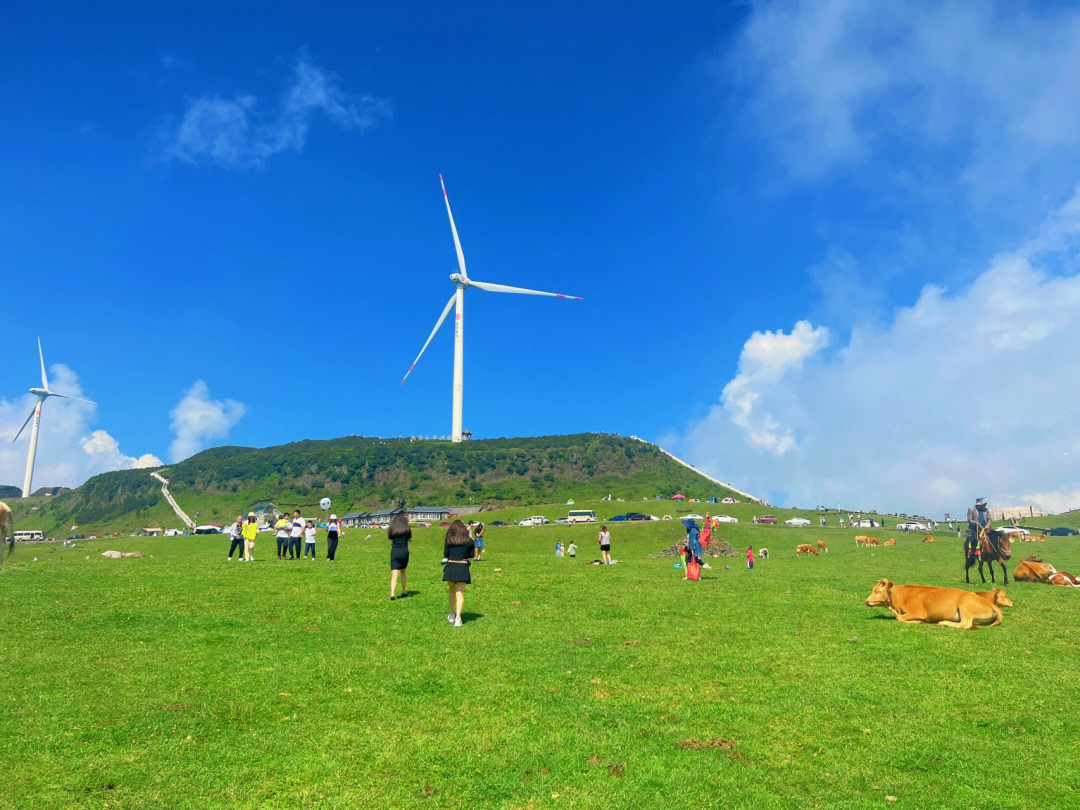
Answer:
x=181 y=680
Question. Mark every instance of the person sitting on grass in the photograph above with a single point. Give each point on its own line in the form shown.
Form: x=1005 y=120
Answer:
x=457 y=554
x=400 y=534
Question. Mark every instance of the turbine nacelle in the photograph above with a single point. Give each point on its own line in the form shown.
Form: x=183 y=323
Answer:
x=459 y=280
x=41 y=392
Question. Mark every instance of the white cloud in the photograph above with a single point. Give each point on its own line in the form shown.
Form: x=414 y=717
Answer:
x=234 y=132
x=846 y=83
x=107 y=451
x=962 y=394
x=64 y=429
x=197 y=418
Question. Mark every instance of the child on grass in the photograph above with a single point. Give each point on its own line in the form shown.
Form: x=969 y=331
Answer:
x=309 y=540
x=750 y=557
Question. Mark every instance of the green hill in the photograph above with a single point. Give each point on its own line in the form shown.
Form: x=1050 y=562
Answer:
x=361 y=473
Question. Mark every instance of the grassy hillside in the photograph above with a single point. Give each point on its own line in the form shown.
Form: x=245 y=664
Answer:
x=358 y=473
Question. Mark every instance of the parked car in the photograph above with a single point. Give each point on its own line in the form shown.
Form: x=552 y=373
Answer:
x=765 y=519
x=693 y=516
x=1013 y=530
x=636 y=516
x=496 y=523
x=617 y=518
x=1062 y=531
x=797 y=521
x=725 y=518
x=535 y=520
x=561 y=522
x=911 y=526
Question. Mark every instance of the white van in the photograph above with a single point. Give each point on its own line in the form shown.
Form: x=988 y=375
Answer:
x=535 y=520
x=581 y=516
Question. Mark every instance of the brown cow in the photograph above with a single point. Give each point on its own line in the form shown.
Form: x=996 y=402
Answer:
x=928 y=539
x=822 y=546
x=805 y=548
x=860 y=540
x=1029 y=571
x=996 y=597
x=872 y=541
x=890 y=542
x=948 y=607
x=7 y=530
x=1064 y=578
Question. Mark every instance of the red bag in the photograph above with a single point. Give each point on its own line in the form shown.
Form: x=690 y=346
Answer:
x=693 y=571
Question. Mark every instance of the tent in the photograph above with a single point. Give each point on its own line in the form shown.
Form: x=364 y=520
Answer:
x=570 y=502
x=678 y=497
x=712 y=499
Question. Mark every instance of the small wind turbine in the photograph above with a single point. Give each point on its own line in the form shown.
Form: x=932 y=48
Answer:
x=457 y=301
x=42 y=394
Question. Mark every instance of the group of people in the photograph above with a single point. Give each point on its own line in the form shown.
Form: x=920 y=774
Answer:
x=603 y=539
x=462 y=546
x=290 y=533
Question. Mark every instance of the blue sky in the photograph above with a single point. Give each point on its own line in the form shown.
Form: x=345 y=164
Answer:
x=227 y=227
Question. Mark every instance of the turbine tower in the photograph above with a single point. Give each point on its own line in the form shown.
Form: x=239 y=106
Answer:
x=42 y=394
x=457 y=302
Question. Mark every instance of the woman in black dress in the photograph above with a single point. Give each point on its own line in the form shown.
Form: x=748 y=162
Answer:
x=400 y=534
x=457 y=552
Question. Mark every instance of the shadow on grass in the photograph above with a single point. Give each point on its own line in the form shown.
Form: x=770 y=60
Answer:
x=466 y=618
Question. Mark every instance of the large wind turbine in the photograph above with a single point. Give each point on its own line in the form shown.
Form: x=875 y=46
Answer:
x=42 y=394
x=461 y=281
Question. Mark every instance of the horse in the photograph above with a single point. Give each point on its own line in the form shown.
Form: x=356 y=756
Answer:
x=994 y=547
x=7 y=530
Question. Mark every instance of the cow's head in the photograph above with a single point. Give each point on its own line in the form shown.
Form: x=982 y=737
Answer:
x=881 y=595
x=1000 y=598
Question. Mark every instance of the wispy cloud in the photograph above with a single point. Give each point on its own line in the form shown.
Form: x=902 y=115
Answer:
x=988 y=89
x=959 y=395
x=236 y=132
x=197 y=418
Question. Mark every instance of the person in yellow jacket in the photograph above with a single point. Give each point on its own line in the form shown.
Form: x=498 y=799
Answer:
x=250 y=530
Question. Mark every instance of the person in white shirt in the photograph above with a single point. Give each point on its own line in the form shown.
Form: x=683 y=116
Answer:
x=295 y=533
x=309 y=540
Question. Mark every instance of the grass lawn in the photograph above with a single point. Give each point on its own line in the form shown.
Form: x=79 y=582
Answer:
x=181 y=680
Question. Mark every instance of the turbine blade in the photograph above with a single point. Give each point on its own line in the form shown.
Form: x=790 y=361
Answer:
x=65 y=396
x=484 y=285
x=44 y=379
x=445 y=312
x=24 y=424
x=453 y=228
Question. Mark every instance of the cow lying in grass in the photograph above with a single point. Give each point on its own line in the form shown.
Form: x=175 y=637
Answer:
x=928 y=539
x=805 y=549
x=948 y=607
x=890 y=542
x=1034 y=570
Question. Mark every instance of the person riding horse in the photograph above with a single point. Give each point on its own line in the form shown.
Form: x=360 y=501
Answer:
x=978 y=518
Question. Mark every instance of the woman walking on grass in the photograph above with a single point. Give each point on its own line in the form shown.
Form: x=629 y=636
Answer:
x=333 y=534
x=237 y=535
x=604 y=539
x=457 y=553
x=400 y=534
x=250 y=532
x=478 y=541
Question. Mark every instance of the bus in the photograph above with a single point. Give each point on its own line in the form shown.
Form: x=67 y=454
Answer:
x=25 y=536
x=581 y=516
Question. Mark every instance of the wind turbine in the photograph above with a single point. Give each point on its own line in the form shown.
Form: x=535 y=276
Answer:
x=42 y=394
x=457 y=300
